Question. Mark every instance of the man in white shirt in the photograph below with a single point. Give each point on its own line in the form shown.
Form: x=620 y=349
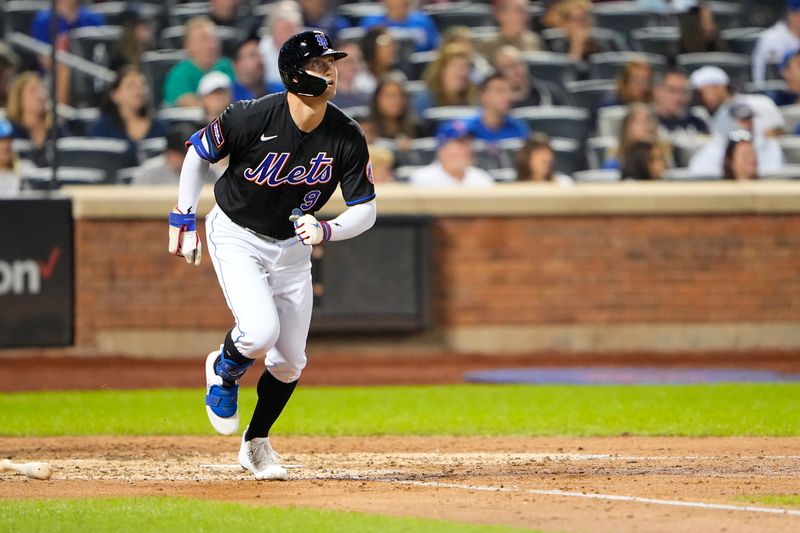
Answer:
x=453 y=164
x=775 y=41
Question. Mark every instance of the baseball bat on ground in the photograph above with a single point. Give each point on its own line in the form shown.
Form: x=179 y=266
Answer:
x=32 y=470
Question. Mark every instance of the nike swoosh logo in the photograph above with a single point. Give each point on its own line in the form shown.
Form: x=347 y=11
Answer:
x=268 y=138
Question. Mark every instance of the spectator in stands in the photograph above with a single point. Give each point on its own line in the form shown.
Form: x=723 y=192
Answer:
x=462 y=35
x=318 y=14
x=248 y=67
x=138 y=37
x=203 y=55
x=29 y=114
x=740 y=162
x=126 y=111
x=575 y=18
x=525 y=89
x=699 y=32
x=713 y=88
x=9 y=162
x=453 y=165
x=666 y=7
x=671 y=105
x=493 y=122
x=355 y=85
x=638 y=125
x=166 y=168
x=226 y=13
x=448 y=80
x=643 y=160
x=283 y=21
x=535 y=161
x=416 y=24
x=380 y=52
x=634 y=84
x=70 y=14
x=708 y=160
x=215 y=94
x=513 y=20
x=790 y=72
x=8 y=69
x=775 y=41
x=392 y=116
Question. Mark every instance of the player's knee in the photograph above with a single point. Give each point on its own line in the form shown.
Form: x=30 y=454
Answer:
x=287 y=370
x=258 y=341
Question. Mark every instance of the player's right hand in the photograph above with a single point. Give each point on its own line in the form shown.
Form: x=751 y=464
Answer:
x=183 y=239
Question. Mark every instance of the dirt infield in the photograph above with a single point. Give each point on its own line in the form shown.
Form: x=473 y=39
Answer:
x=554 y=484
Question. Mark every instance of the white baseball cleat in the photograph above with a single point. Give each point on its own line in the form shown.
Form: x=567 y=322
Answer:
x=258 y=457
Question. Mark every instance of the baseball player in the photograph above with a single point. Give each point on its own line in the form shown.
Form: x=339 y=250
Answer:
x=288 y=152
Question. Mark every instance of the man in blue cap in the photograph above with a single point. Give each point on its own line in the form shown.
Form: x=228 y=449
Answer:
x=453 y=165
x=774 y=42
x=790 y=72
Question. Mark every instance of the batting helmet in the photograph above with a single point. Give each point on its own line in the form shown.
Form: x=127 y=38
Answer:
x=293 y=56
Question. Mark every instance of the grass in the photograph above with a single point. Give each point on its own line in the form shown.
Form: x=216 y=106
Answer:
x=777 y=500
x=175 y=515
x=718 y=409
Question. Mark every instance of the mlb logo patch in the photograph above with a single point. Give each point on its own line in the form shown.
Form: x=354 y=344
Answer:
x=216 y=133
x=321 y=40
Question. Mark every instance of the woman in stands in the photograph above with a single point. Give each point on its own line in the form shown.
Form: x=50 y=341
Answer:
x=699 y=31
x=380 y=52
x=126 y=112
x=138 y=37
x=29 y=113
x=393 y=118
x=536 y=162
x=448 y=80
x=638 y=125
x=741 y=162
x=634 y=84
x=643 y=160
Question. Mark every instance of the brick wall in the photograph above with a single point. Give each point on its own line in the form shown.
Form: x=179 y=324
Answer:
x=490 y=271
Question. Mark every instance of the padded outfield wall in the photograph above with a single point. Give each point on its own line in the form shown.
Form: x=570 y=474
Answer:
x=515 y=269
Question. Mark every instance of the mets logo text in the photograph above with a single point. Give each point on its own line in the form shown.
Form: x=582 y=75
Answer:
x=269 y=171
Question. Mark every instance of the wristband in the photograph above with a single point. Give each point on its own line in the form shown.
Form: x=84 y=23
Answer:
x=179 y=220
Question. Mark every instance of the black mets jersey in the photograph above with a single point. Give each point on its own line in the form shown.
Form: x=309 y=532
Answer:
x=275 y=167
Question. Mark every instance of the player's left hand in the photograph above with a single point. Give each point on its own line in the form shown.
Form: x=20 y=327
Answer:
x=183 y=239
x=308 y=229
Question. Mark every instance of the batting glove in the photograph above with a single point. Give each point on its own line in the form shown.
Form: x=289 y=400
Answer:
x=308 y=229
x=183 y=239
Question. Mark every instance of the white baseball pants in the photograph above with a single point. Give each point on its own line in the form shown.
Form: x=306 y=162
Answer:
x=267 y=284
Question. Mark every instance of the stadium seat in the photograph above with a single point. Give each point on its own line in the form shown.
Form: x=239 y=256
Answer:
x=403 y=173
x=172 y=37
x=503 y=175
x=115 y=12
x=596 y=176
x=597 y=149
x=107 y=155
x=737 y=66
x=683 y=174
x=458 y=14
x=588 y=93
x=95 y=43
x=661 y=40
x=556 y=121
x=608 y=65
x=18 y=14
x=728 y=14
x=355 y=34
x=441 y=114
x=178 y=14
x=609 y=120
x=155 y=66
x=40 y=178
x=190 y=116
x=355 y=12
x=153 y=147
x=78 y=119
x=786 y=172
x=125 y=176
x=569 y=157
x=422 y=152
x=790 y=145
x=791 y=115
x=741 y=40
x=623 y=17
x=765 y=87
x=609 y=39
x=22 y=147
x=418 y=63
x=551 y=66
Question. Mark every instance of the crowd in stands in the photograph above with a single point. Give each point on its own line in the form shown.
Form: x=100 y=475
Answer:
x=463 y=93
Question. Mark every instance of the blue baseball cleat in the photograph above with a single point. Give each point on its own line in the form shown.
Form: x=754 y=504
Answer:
x=222 y=392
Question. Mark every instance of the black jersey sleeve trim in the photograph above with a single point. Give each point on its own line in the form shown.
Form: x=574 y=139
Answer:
x=361 y=200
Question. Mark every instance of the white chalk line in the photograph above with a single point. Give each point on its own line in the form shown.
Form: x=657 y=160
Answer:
x=240 y=467
x=595 y=496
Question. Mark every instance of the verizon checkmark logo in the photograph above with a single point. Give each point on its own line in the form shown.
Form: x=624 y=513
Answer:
x=24 y=276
